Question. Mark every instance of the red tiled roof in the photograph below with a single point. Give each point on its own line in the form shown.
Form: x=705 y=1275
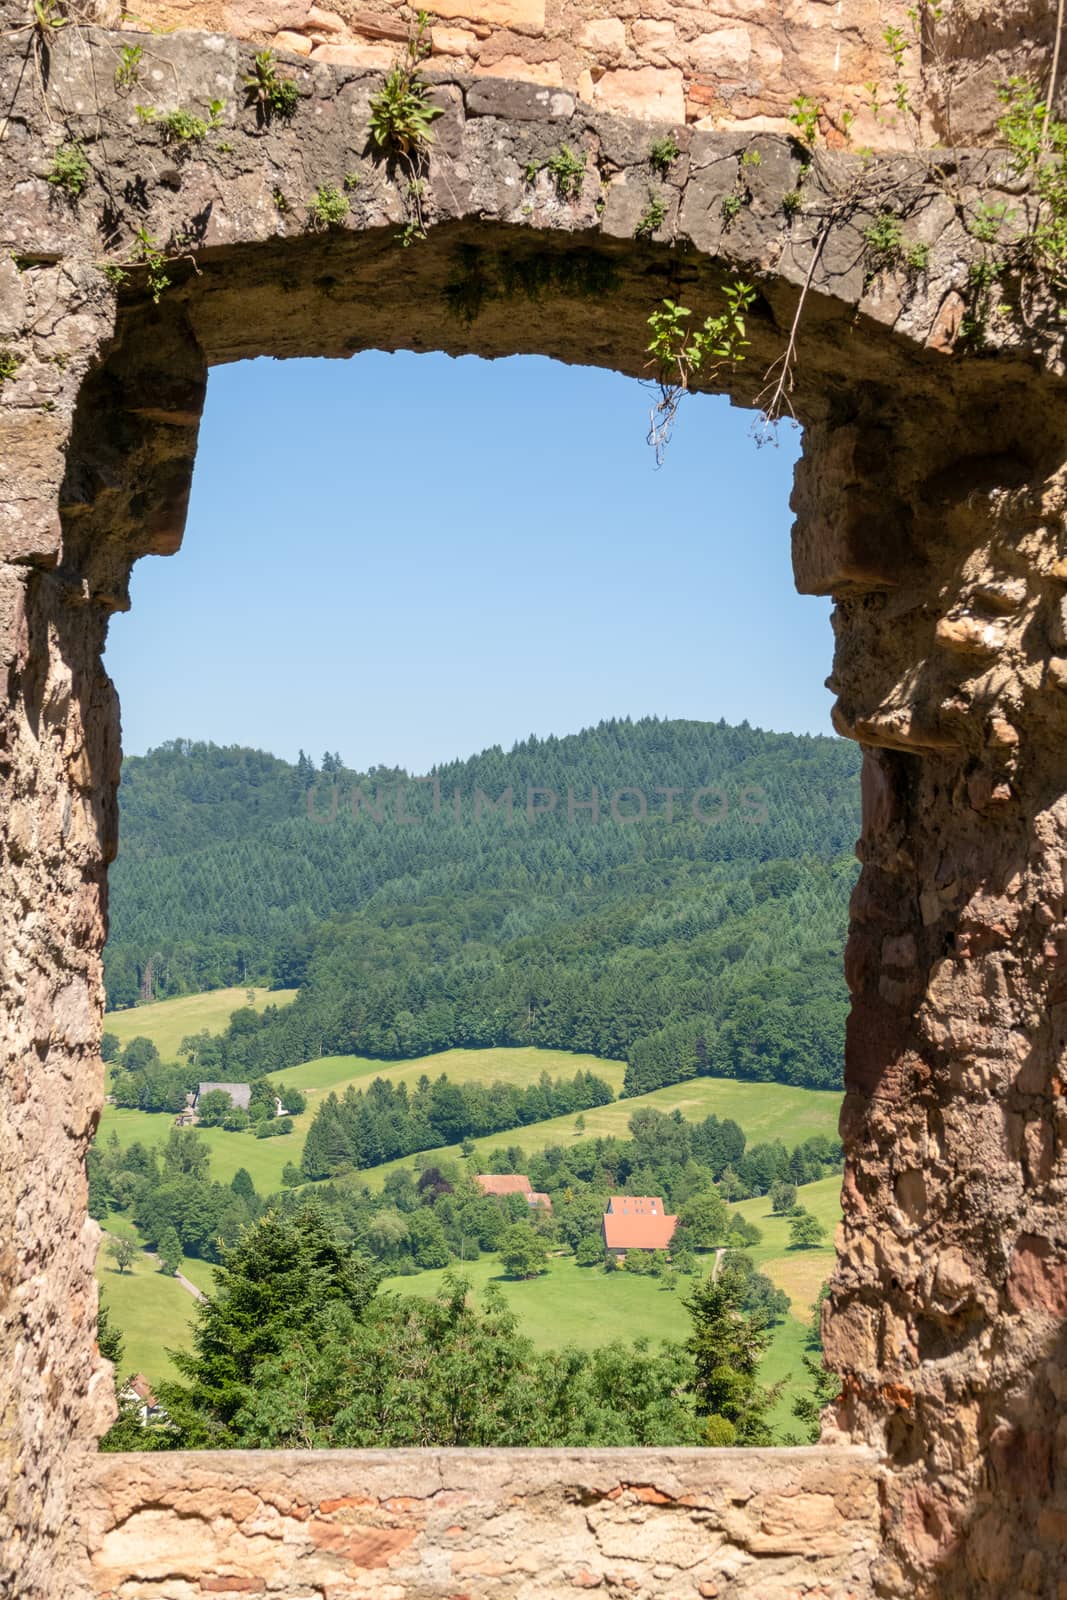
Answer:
x=143 y=1389
x=537 y=1197
x=636 y=1205
x=638 y=1231
x=503 y=1183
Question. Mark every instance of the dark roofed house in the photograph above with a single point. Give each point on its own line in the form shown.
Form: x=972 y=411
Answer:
x=637 y=1222
x=512 y=1183
x=240 y=1093
x=502 y=1182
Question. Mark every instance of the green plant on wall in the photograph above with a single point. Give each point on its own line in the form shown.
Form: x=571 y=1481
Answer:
x=679 y=353
x=180 y=127
x=9 y=365
x=148 y=253
x=327 y=208
x=653 y=219
x=804 y=114
x=48 y=17
x=270 y=95
x=401 y=113
x=69 y=170
x=401 y=118
x=128 y=71
x=567 y=171
x=662 y=153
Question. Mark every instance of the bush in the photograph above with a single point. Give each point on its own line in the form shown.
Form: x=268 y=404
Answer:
x=274 y=1128
x=806 y=1232
x=590 y=1251
x=638 y=1261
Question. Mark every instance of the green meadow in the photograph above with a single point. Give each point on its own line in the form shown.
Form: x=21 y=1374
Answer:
x=150 y=1310
x=585 y=1306
x=167 y=1022
x=568 y=1304
x=764 y=1111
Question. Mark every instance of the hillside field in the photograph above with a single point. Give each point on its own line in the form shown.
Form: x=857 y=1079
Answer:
x=150 y=1310
x=764 y=1110
x=167 y=1022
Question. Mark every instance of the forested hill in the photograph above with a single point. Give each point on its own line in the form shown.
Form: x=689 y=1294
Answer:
x=698 y=928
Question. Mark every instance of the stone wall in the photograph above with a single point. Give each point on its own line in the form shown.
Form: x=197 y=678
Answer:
x=931 y=503
x=482 y=1524
x=734 y=64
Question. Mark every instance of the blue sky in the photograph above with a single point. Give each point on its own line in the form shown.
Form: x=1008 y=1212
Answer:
x=407 y=558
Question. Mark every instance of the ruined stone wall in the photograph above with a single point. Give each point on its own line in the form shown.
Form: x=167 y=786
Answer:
x=930 y=503
x=727 y=64
x=482 y=1524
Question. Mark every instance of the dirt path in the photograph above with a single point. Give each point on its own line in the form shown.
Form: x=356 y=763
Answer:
x=197 y=1294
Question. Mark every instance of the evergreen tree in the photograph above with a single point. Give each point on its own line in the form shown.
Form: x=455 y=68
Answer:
x=727 y=1346
x=278 y=1279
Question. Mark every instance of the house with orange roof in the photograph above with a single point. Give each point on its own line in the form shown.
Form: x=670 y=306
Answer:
x=637 y=1222
x=512 y=1183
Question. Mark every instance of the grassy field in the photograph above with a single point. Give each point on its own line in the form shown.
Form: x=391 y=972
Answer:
x=202 y=1273
x=521 y=1065
x=167 y=1022
x=568 y=1304
x=764 y=1111
x=586 y=1307
x=264 y=1159
x=150 y=1310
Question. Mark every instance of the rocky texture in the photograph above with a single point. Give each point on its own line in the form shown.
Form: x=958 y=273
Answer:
x=719 y=1524
x=930 y=502
x=735 y=64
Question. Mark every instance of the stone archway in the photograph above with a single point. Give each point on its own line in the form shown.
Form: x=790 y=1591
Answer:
x=930 y=502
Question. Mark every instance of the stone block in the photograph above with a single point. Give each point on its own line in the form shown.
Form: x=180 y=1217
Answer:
x=726 y=53
x=454 y=42
x=655 y=94
x=370 y=57
x=295 y=44
x=521 y=16
x=519 y=102
x=605 y=37
x=547 y=73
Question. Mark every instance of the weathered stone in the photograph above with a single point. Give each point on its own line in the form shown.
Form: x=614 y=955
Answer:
x=524 y=16
x=605 y=37
x=296 y=44
x=370 y=57
x=549 y=73
x=931 y=491
x=725 y=53
x=656 y=94
x=520 y=102
x=548 y=1521
x=454 y=42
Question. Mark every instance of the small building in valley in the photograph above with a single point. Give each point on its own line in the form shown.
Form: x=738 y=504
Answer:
x=512 y=1183
x=637 y=1222
x=138 y=1393
x=240 y=1098
x=240 y=1093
